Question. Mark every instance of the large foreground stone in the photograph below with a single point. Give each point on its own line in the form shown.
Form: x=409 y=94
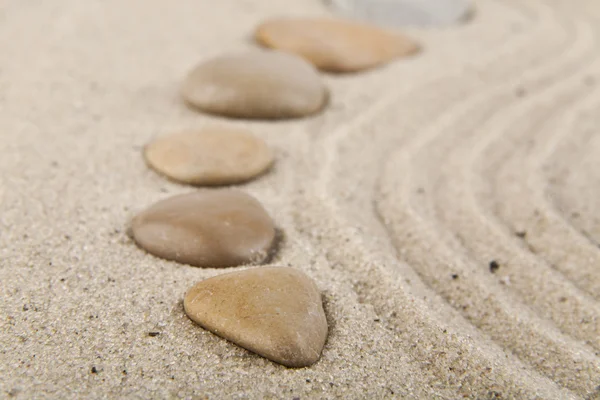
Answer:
x=274 y=312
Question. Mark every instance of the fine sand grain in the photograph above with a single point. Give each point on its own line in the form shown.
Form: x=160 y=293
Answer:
x=395 y=200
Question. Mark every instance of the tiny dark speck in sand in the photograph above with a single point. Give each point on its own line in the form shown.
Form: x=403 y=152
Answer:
x=520 y=91
x=153 y=334
x=589 y=81
x=94 y=370
x=454 y=276
x=494 y=266
x=521 y=234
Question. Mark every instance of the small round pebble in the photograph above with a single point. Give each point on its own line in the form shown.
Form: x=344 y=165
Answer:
x=276 y=312
x=211 y=228
x=263 y=84
x=335 y=45
x=399 y=13
x=209 y=156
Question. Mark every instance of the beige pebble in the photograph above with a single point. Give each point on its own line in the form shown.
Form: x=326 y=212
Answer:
x=256 y=84
x=274 y=312
x=335 y=45
x=210 y=156
x=213 y=228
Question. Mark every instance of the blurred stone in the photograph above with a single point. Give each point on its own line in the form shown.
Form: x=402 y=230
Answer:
x=257 y=84
x=209 y=156
x=399 y=13
x=335 y=45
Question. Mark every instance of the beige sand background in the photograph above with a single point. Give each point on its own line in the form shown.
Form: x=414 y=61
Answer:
x=484 y=147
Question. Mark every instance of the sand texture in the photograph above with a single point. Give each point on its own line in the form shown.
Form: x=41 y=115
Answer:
x=486 y=146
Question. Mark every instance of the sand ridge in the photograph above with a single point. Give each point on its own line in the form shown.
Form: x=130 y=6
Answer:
x=427 y=168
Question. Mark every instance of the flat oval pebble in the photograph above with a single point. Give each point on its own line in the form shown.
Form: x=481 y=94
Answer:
x=257 y=84
x=274 y=312
x=398 y=13
x=210 y=156
x=335 y=45
x=215 y=228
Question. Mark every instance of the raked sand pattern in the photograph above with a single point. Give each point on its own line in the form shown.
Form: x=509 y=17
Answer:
x=485 y=147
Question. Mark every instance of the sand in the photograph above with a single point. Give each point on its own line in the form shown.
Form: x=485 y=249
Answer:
x=484 y=147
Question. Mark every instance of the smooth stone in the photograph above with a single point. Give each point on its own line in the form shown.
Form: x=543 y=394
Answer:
x=398 y=13
x=210 y=156
x=257 y=84
x=335 y=45
x=215 y=228
x=274 y=312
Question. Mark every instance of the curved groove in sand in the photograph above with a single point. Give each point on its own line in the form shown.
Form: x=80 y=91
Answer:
x=484 y=240
x=528 y=212
x=574 y=201
x=494 y=312
x=334 y=193
x=412 y=230
x=485 y=243
x=455 y=208
x=578 y=256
